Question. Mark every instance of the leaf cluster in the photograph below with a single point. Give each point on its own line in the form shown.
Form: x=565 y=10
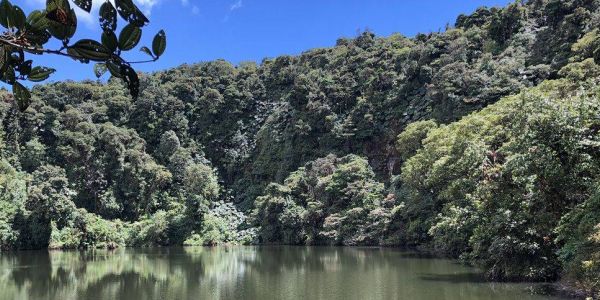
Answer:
x=29 y=34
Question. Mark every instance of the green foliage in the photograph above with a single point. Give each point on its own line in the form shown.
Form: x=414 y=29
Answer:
x=13 y=194
x=168 y=145
x=34 y=155
x=358 y=96
x=506 y=22
x=215 y=231
x=113 y=192
x=586 y=46
x=329 y=201
x=409 y=141
x=492 y=187
x=376 y=141
x=579 y=230
x=199 y=179
x=24 y=35
x=88 y=231
x=151 y=231
x=49 y=196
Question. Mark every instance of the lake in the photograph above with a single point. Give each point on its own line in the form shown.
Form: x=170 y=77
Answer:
x=273 y=272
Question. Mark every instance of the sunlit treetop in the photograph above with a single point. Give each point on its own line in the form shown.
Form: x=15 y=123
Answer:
x=25 y=35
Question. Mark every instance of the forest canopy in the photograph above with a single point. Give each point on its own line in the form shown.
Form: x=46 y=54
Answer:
x=480 y=142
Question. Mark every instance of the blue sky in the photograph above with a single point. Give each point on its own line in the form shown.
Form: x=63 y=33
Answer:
x=250 y=30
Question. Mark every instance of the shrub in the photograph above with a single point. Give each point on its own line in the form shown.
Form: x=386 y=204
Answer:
x=329 y=201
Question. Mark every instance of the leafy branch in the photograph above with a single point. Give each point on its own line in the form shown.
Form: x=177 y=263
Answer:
x=29 y=34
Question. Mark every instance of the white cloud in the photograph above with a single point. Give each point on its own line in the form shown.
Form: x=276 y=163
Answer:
x=234 y=6
x=145 y=5
x=195 y=9
x=237 y=5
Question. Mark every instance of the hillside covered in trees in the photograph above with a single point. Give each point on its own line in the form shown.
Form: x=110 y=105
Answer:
x=480 y=142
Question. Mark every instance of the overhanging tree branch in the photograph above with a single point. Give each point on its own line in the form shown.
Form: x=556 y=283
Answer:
x=28 y=35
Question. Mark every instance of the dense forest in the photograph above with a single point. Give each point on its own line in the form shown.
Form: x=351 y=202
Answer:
x=481 y=142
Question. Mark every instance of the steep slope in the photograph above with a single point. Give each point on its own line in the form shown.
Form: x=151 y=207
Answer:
x=258 y=123
x=311 y=143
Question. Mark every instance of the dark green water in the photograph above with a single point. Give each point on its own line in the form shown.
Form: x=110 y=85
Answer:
x=245 y=273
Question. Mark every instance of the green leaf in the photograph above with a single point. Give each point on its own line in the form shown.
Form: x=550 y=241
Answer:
x=77 y=56
x=130 y=13
x=54 y=4
x=37 y=20
x=62 y=22
x=100 y=69
x=25 y=67
x=109 y=39
x=11 y=16
x=84 y=4
x=3 y=59
x=22 y=96
x=159 y=44
x=147 y=51
x=17 y=18
x=138 y=18
x=90 y=49
x=128 y=74
x=125 y=8
x=37 y=33
x=114 y=69
x=16 y=57
x=129 y=37
x=108 y=17
x=9 y=75
x=131 y=79
x=40 y=74
x=5 y=9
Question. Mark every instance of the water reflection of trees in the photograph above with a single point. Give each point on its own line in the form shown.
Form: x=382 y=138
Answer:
x=230 y=273
x=157 y=273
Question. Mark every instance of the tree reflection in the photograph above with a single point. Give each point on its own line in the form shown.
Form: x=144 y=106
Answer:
x=275 y=272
